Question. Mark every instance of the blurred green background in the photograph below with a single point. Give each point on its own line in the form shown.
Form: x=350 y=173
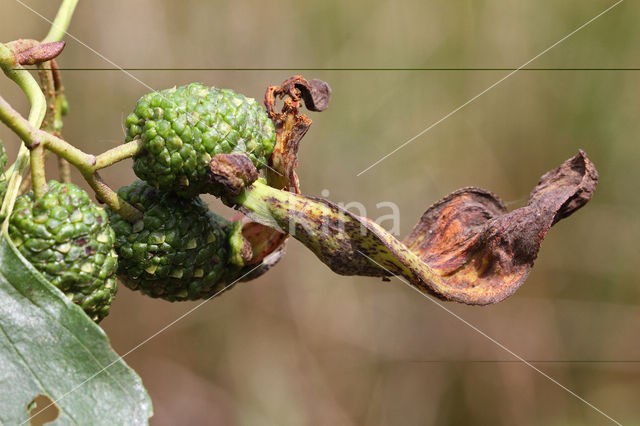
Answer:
x=302 y=346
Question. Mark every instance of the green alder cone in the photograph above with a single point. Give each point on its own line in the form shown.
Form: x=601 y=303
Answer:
x=68 y=239
x=4 y=179
x=183 y=128
x=179 y=250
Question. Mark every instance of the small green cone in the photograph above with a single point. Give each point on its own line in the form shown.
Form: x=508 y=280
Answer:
x=180 y=249
x=68 y=239
x=183 y=128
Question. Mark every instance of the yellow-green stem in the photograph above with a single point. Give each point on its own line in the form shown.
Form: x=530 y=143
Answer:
x=38 y=177
x=64 y=171
x=30 y=87
x=108 y=196
x=25 y=185
x=36 y=98
x=52 y=90
x=118 y=153
x=87 y=164
x=61 y=22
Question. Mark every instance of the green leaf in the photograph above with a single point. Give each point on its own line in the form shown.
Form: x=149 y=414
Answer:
x=49 y=346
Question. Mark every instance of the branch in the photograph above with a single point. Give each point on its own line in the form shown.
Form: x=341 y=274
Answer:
x=61 y=21
x=51 y=82
x=118 y=153
x=11 y=67
x=38 y=176
x=26 y=82
x=87 y=164
x=108 y=196
x=30 y=87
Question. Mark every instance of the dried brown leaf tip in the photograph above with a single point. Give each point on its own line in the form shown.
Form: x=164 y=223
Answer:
x=234 y=174
x=466 y=248
x=291 y=125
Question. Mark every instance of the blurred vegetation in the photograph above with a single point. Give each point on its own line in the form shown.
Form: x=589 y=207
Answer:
x=302 y=346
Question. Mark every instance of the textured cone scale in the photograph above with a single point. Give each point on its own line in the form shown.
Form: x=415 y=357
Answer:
x=68 y=239
x=179 y=250
x=183 y=128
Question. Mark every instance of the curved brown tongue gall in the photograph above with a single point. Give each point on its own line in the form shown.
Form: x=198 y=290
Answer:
x=466 y=247
x=484 y=253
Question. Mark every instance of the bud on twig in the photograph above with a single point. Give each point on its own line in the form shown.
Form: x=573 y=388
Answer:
x=40 y=53
x=234 y=172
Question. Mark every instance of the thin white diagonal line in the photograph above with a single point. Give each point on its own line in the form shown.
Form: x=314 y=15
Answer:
x=374 y=164
x=114 y=64
x=503 y=347
x=490 y=87
x=163 y=329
